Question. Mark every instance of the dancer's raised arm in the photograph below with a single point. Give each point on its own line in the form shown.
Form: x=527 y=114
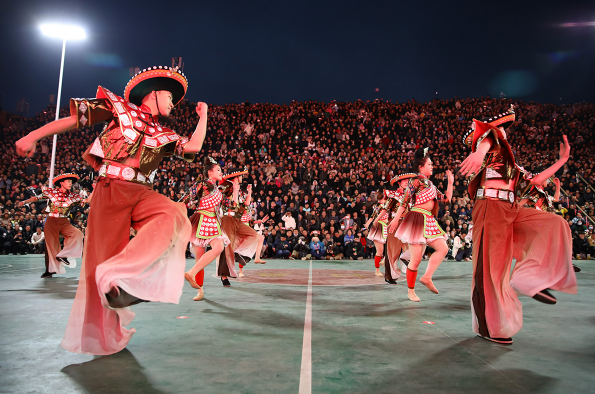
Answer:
x=198 y=137
x=551 y=170
x=26 y=145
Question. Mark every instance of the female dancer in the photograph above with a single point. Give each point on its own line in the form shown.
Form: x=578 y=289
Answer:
x=394 y=246
x=419 y=227
x=245 y=242
x=377 y=232
x=206 y=228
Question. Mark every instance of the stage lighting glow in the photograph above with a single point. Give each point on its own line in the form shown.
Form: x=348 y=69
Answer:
x=577 y=24
x=64 y=32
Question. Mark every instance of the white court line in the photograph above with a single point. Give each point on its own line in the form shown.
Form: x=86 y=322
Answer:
x=306 y=372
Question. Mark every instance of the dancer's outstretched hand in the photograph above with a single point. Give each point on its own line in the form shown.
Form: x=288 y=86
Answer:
x=26 y=147
x=472 y=163
x=202 y=109
x=564 y=148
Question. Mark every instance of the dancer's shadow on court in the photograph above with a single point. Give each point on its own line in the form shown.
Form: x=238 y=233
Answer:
x=61 y=288
x=256 y=316
x=466 y=367
x=117 y=373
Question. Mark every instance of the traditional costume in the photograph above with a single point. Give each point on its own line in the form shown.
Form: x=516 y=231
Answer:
x=118 y=272
x=537 y=198
x=206 y=222
x=498 y=225
x=420 y=226
x=378 y=233
x=236 y=224
x=57 y=223
x=394 y=246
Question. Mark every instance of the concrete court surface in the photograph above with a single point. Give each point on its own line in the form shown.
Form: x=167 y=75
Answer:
x=366 y=337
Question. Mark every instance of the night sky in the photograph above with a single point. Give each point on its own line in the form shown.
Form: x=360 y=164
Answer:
x=280 y=51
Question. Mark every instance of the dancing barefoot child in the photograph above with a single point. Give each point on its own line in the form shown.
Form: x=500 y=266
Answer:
x=118 y=272
x=419 y=227
x=502 y=227
x=60 y=200
x=206 y=226
x=394 y=246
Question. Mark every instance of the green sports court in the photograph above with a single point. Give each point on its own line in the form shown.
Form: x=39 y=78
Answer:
x=298 y=327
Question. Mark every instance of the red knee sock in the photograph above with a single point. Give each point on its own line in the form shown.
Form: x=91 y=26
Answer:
x=411 y=276
x=200 y=278
x=377 y=260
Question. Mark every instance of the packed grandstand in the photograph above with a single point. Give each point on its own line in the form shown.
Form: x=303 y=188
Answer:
x=317 y=169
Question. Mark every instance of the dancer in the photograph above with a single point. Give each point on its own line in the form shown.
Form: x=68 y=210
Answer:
x=377 y=224
x=60 y=201
x=394 y=246
x=419 y=227
x=118 y=272
x=500 y=224
x=206 y=226
x=245 y=242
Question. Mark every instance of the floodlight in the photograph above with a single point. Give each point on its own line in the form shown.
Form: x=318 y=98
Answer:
x=64 y=32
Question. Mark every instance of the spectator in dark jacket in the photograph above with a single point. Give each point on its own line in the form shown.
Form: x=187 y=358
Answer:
x=281 y=248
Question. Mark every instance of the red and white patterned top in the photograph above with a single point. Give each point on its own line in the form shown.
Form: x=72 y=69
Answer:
x=59 y=203
x=423 y=189
x=212 y=200
x=247 y=214
x=396 y=194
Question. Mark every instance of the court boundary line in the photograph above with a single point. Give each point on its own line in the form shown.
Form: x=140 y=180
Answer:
x=306 y=366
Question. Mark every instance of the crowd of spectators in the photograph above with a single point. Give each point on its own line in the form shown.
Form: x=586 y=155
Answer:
x=317 y=169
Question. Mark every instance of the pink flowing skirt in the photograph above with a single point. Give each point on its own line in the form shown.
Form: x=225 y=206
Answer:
x=419 y=227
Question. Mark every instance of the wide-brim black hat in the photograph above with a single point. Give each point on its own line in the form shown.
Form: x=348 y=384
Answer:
x=504 y=120
x=155 y=79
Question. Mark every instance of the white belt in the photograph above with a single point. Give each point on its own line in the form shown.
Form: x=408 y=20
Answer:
x=499 y=194
x=125 y=173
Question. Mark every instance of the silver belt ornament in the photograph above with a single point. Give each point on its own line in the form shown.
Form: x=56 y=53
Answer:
x=505 y=195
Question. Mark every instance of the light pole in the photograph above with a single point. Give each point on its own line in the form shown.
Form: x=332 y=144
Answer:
x=64 y=32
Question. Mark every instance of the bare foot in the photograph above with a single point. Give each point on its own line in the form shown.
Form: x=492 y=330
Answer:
x=241 y=275
x=259 y=261
x=429 y=284
x=200 y=295
x=378 y=273
x=412 y=296
x=190 y=279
